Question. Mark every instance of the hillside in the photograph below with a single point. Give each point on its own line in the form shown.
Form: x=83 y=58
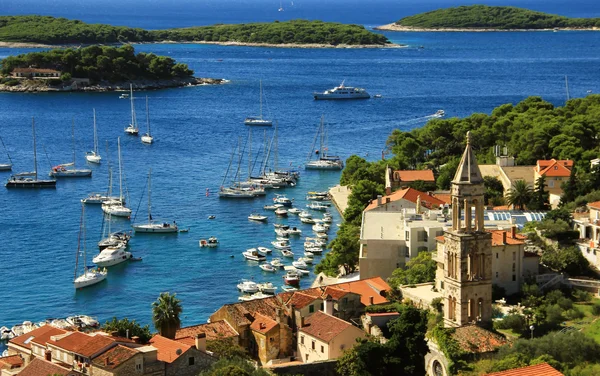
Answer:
x=60 y=31
x=494 y=17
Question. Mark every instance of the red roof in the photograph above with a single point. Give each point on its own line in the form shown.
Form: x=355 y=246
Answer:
x=300 y=300
x=94 y=345
x=11 y=361
x=39 y=367
x=323 y=326
x=214 y=330
x=475 y=339
x=446 y=197
x=498 y=238
x=114 y=357
x=411 y=195
x=594 y=205
x=40 y=335
x=168 y=349
x=413 y=175
x=374 y=287
x=262 y=324
x=543 y=369
x=560 y=168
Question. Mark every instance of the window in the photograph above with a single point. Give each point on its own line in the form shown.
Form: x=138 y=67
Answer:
x=496 y=274
x=407 y=235
x=138 y=367
x=514 y=267
x=191 y=360
x=551 y=183
x=311 y=308
x=345 y=300
x=514 y=277
x=496 y=255
x=314 y=345
x=302 y=340
x=307 y=357
x=322 y=349
x=322 y=306
x=514 y=256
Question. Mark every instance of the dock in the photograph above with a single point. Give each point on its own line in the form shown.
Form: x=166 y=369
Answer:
x=339 y=196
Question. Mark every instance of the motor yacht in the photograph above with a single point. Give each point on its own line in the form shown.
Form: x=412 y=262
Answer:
x=343 y=92
x=253 y=255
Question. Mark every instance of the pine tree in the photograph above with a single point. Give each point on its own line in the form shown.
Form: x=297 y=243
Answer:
x=570 y=189
x=540 y=199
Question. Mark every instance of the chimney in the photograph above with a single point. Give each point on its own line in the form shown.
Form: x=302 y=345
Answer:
x=127 y=333
x=48 y=355
x=370 y=300
x=513 y=232
x=328 y=306
x=504 y=237
x=136 y=339
x=200 y=340
x=379 y=200
x=387 y=200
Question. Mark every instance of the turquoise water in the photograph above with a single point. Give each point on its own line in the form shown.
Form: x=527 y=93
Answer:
x=196 y=129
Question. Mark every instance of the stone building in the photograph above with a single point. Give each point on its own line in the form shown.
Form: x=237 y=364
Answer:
x=556 y=173
x=396 y=179
x=35 y=73
x=182 y=359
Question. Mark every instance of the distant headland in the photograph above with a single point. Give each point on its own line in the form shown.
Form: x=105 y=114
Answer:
x=490 y=18
x=49 y=31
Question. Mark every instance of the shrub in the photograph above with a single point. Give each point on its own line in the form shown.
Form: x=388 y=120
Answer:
x=516 y=323
x=574 y=314
x=596 y=309
x=10 y=82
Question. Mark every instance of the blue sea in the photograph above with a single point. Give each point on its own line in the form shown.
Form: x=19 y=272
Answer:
x=196 y=128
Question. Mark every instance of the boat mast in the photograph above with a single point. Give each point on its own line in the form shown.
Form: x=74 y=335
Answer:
x=79 y=241
x=147 y=116
x=73 y=137
x=120 y=171
x=261 y=100
x=149 y=195
x=249 y=153
x=276 y=157
x=312 y=148
x=322 y=136
x=6 y=150
x=84 y=241
x=95 y=135
x=34 y=151
x=133 y=122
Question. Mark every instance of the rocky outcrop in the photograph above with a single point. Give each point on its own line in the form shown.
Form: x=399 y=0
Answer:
x=34 y=86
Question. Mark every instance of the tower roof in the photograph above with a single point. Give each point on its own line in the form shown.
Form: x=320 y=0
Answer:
x=468 y=170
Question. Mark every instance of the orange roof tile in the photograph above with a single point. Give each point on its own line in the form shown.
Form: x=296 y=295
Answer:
x=240 y=311
x=323 y=326
x=39 y=367
x=168 y=348
x=370 y=287
x=11 y=361
x=414 y=175
x=440 y=238
x=300 y=300
x=411 y=195
x=543 y=369
x=475 y=339
x=43 y=332
x=334 y=292
x=498 y=238
x=263 y=324
x=594 y=205
x=446 y=197
x=561 y=168
x=213 y=330
x=114 y=357
x=190 y=341
x=94 y=345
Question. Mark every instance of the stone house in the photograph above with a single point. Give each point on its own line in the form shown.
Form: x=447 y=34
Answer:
x=33 y=344
x=123 y=361
x=556 y=173
x=403 y=178
x=589 y=233
x=214 y=330
x=35 y=73
x=405 y=199
x=268 y=337
x=10 y=365
x=41 y=367
x=182 y=359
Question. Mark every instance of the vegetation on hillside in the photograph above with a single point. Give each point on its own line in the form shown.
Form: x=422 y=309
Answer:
x=100 y=63
x=51 y=30
x=494 y=17
x=128 y=329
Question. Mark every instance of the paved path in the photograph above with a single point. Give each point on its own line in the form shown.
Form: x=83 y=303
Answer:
x=339 y=197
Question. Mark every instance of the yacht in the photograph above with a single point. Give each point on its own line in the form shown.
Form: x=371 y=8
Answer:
x=280 y=244
x=267 y=267
x=257 y=217
x=258 y=120
x=299 y=264
x=93 y=156
x=281 y=212
x=114 y=239
x=132 y=129
x=294 y=211
x=247 y=286
x=147 y=137
x=291 y=278
x=90 y=276
x=112 y=256
x=317 y=206
x=68 y=170
x=343 y=92
x=287 y=253
x=283 y=200
x=212 y=242
x=154 y=226
x=5 y=166
x=267 y=288
x=324 y=161
x=277 y=263
x=117 y=208
x=263 y=250
x=98 y=198
x=253 y=255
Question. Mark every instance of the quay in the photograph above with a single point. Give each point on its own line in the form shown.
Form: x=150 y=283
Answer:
x=339 y=196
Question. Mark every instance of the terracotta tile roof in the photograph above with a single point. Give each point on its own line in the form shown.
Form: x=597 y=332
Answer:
x=94 y=345
x=11 y=361
x=594 y=205
x=41 y=332
x=475 y=340
x=334 y=292
x=41 y=367
x=213 y=330
x=190 y=341
x=242 y=312
x=34 y=70
x=560 y=168
x=413 y=175
x=440 y=238
x=498 y=238
x=263 y=324
x=411 y=195
x=446 y=197
x=70 y=342
x=167 y=348
x=383 y=314
x=370 y=287
x=543 y=369
x=323 y=326
x=114 y=357
x=300 y=300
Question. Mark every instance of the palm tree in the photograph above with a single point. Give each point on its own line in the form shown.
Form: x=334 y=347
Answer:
x=519 y=195
x=165 y=314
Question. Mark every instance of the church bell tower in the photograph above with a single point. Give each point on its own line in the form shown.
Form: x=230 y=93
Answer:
x=467 y=250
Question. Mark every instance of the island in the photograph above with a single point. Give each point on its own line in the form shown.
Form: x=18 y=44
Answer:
x=489 y=18
x=94 y=68
x=52 y=31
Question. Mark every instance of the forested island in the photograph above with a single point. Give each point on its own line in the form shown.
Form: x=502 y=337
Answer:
x=61 y=31
x=94 y=68
x=489 y=18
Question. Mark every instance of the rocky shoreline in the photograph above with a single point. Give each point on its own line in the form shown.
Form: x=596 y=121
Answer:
x=396 y=27
x=38 y=86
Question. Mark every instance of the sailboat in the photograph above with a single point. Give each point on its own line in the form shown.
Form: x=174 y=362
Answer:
x=5 y=166
x=30 y=179
x=68 y=170
x=152 y=226
x=325 y=161
x=90 y=276
x=147 y=138
x=236 y=190
x=132 y=129
x=93 y=156
x=281 y=6
x=117 y=207
x=258 y=120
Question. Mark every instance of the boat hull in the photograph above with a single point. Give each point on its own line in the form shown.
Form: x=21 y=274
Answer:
x=258 y=122
x=323 y=166
x=87 y=280
x=156 y=228
x=93 y=158
x=113 y=261
x=324 y=96
x=5 y=167
x=16 y=183
x=117 y=212
x=71 y=174
x=147 y=139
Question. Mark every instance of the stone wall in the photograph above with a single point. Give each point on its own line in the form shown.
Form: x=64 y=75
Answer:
x=326 y=368
x=182 y=367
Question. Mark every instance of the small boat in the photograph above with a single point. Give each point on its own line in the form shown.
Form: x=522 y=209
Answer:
x=111 y=256
x=147 y=137
x=314 y=250
x=280 y=244
x=90 y=276
x=211 y=217
x=319 y=228
x=283 y=200
x=281 y=226
x=294 y=211
x=327 y=219
x=289 y=288
x=277 y=263
x=299 y=264
x=287 y=253
x=302 y=272
x=124 y=96
x=132 y=129
x=68 y=170
x=184 y=230
x=247 y=286
x=307 y=260
x=6 y=334
x=322 y=235
x=377 y=96
x=253 y=255
x=317 y=206
x=263 y=250
x=267 y=267
x=291 y=278
x=267 y=288
x=282 y=233
x=440 y=113
x=212 y=242
x=257 y=217
x=259 y=295
x=98 y=198
x=93 y=156
x=307 y=220
x=305 y=214
x=272 y=207
x=294 y=231
x=343 y=92
x=281 y=212
x=309 y=254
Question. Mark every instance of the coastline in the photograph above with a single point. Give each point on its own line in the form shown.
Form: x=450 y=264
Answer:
x=396 y=27
x=39 y=86
x=28 y=45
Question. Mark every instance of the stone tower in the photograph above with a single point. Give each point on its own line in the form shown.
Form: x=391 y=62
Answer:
x=467 y=250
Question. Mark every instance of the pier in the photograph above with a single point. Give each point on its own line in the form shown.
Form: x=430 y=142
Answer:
x=339 y=196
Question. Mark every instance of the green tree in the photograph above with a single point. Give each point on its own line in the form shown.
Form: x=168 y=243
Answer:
x=570 y=189
x=419 y=269
x=362 y=193
x=519 y=195
x=124 y=328
x=494 y=191
x=226 y=348
x=540 y=198
x=165 y=314
x=233 y=367
x=569 y=260
x=344 y=251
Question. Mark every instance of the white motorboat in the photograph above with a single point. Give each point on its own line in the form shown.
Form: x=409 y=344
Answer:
x=314 y=251
x=267 y=288
x=294 y=231
x=259 y=295
x=305 y=214
x=277 y=263
x=343 y=92
x=263 y=250
x=278 y=244
x=307 y=260
x=281 y=212
x=89 y=321
x=253 y=255
x=281 y=226
x=317 y=206
x=439 y=113
x=124 y=96
x=114 y=239
x=282 y=233
x=322 y=235
x=327 y=219
x=132 y=129
x=291 y=278
x=294 y=211
x=90 y=276
x=267 y=267
x=299 y=264
x=117 y=208
x=247 y=286
x=302 y=272
x=111 y=256
x=309 y=254
x=289 y=288
x=152 y=226
x=212 y=242
x=6 y=334
x=147 y=137
x=257 y=217
x=258 y=120
x=287 y=253
x=283 y=200
x=319 y=228
x=307 y=220
x=93 y=156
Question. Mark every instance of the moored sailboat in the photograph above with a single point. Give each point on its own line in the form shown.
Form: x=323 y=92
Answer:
x=93 y=156
x=147 y=137
x=90 y=276
x=132 y=129
x=325 y=161
x=68 y=170
x=117 y=207
x=258 y=120
x=154 y=226
x=5 y=166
